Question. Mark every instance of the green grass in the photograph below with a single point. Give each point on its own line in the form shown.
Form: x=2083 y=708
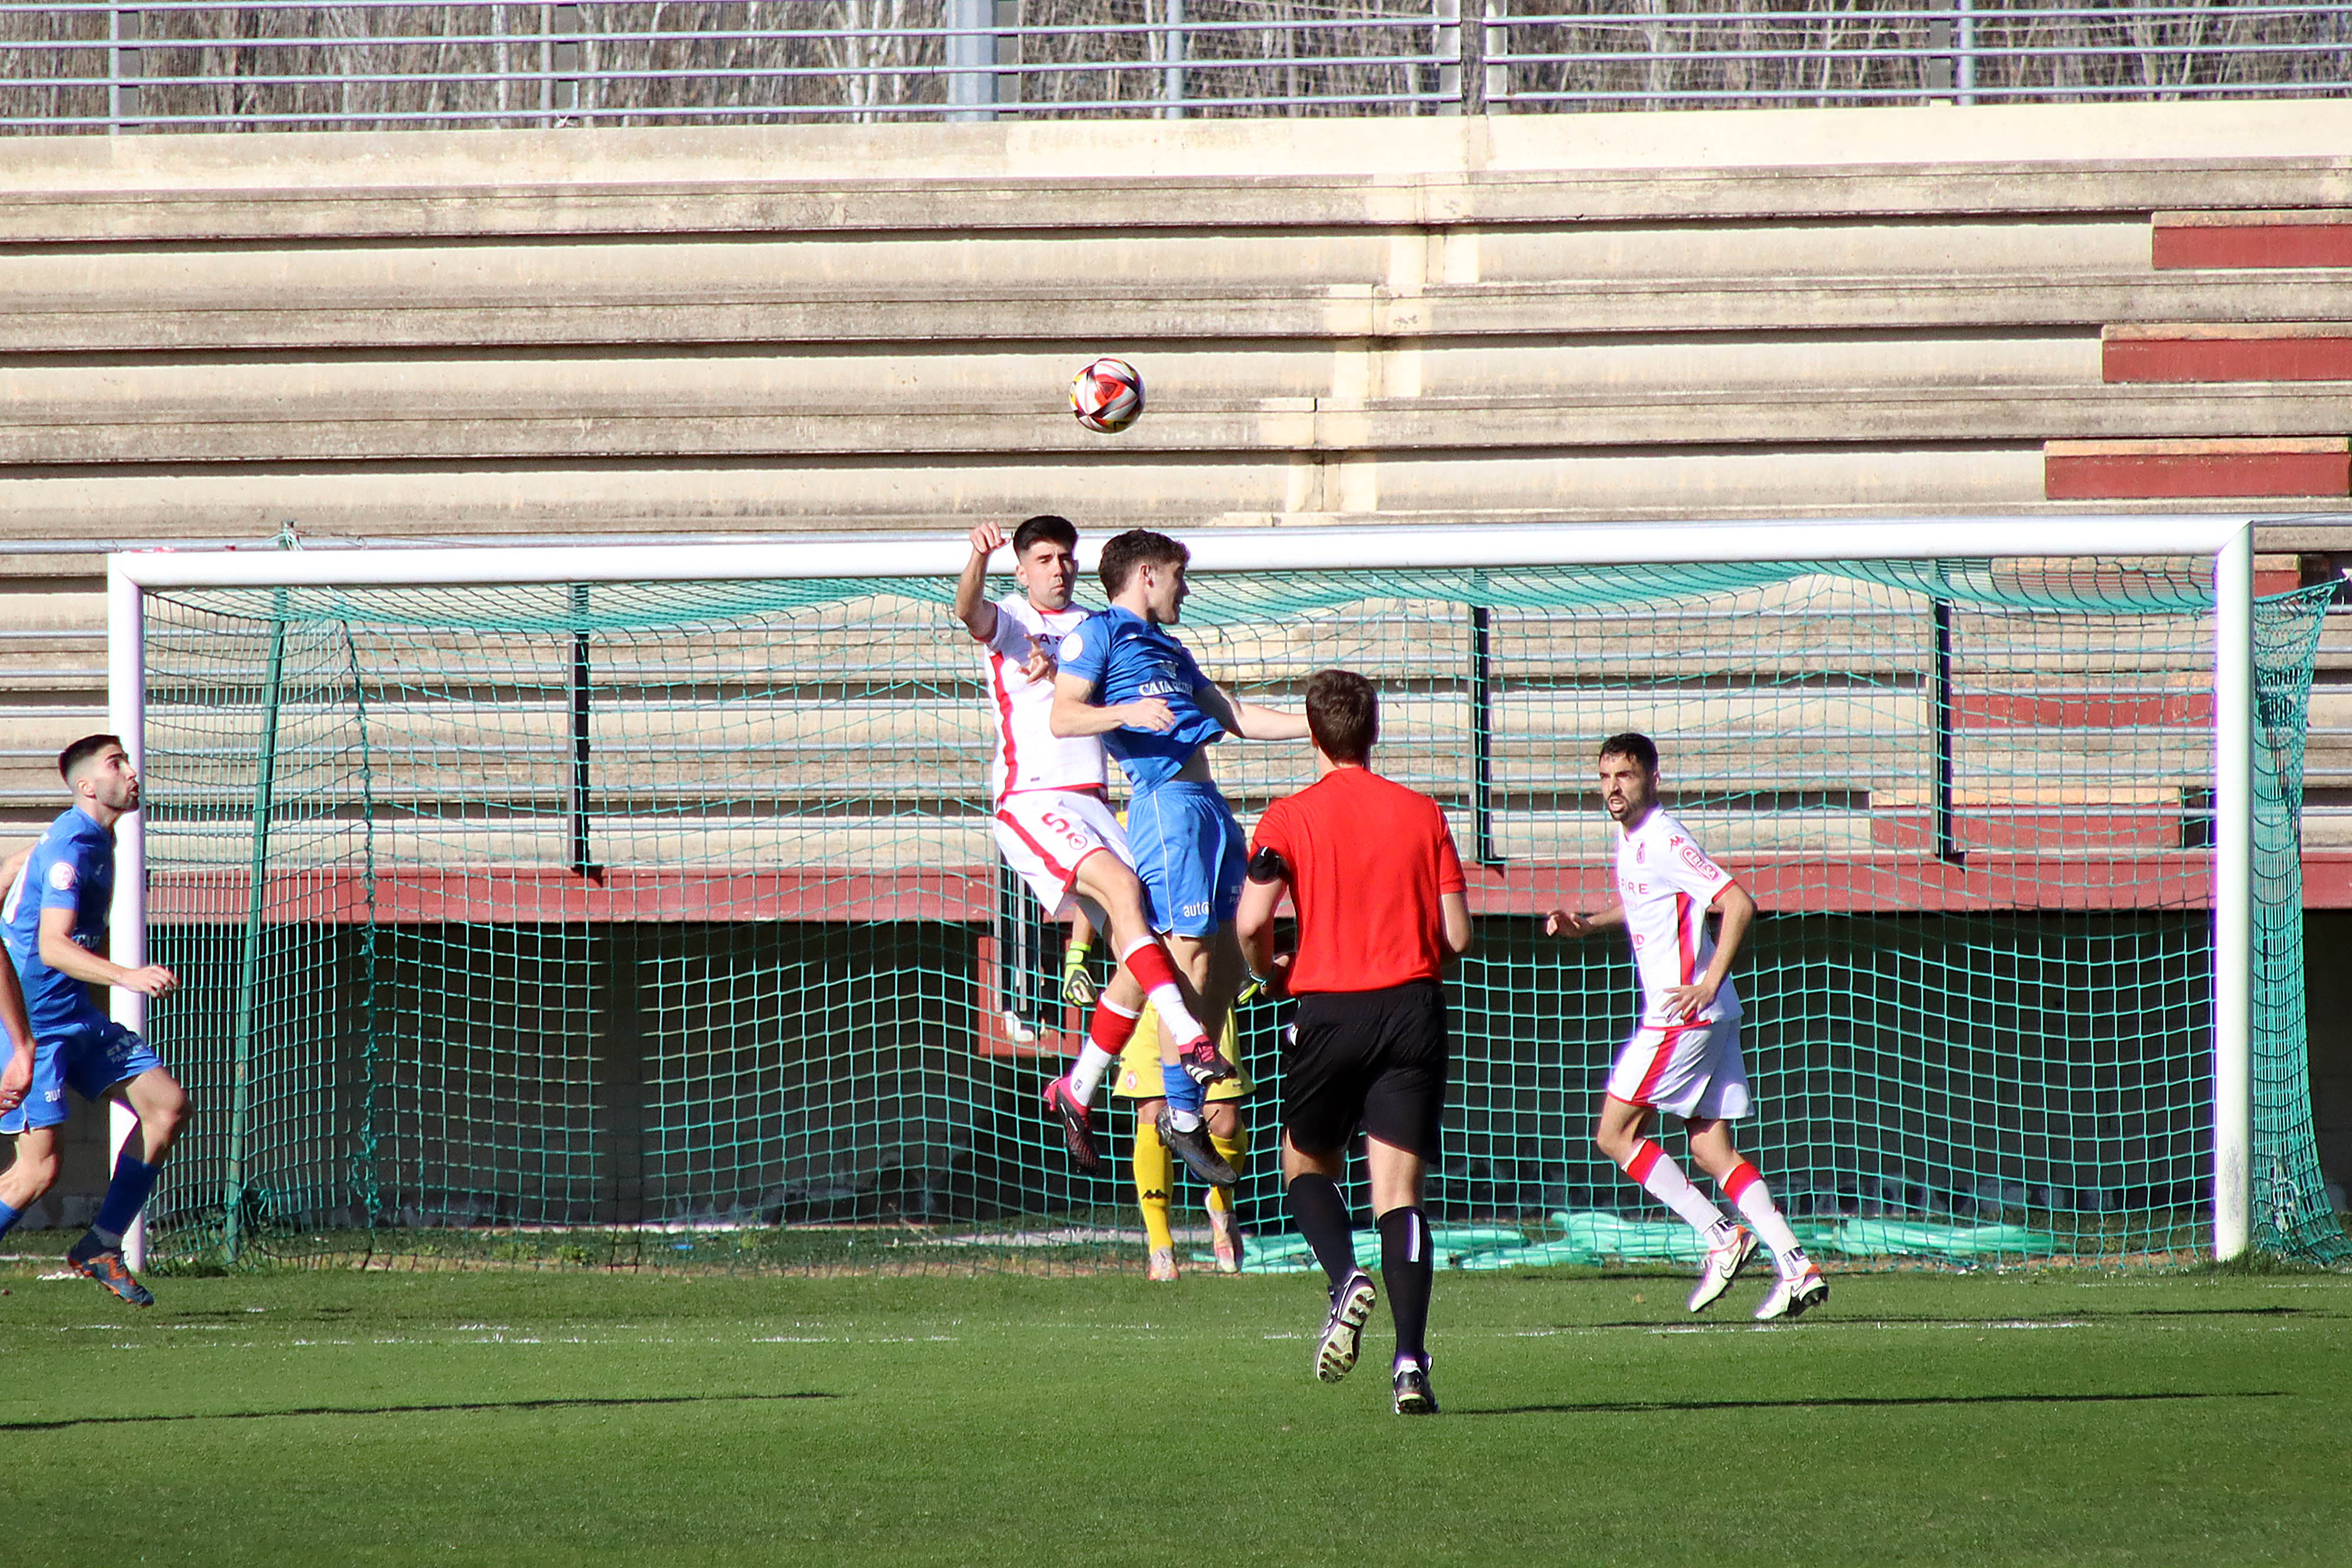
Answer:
x=333 y=1418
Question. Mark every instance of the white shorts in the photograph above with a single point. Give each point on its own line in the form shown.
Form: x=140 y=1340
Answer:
x=1042 y=834
x=1685 y=1069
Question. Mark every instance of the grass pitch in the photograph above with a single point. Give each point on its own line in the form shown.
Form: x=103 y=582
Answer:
x=571 y=1417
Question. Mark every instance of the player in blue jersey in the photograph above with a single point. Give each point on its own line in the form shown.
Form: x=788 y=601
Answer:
x=1124 y=677
x=54 y=924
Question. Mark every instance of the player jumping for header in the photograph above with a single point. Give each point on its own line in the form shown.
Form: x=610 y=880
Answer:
x=54 y=922
x=1125 y=679
x=1683 y=1055
x=1054 y=827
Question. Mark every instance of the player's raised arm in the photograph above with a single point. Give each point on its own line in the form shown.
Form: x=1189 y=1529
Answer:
x=1249 y=721
x=972 y=605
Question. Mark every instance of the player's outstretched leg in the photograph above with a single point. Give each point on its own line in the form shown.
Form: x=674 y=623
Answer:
x=1068 y=1099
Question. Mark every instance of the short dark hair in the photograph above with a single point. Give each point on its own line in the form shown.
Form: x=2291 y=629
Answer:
x=1343 y=714
x=1635 y=746
x=1137 y=547
x=82 y=751
x=1044 y=525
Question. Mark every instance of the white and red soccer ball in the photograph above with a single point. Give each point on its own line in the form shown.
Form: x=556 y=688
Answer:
x=1107 y=396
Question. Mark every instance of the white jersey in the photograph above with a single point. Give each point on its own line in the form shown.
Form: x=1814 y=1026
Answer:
x=1029 y=755
x=1665 y=881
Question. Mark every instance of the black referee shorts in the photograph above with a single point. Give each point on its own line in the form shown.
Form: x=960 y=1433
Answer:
x=1374 y=1059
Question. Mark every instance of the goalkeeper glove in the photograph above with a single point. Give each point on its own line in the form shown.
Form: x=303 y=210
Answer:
x=1077 y=980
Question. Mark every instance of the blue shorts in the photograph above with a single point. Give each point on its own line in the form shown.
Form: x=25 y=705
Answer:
x=90 y=1058
x=1189 y=855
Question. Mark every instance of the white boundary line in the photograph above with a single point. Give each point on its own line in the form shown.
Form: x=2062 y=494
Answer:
x=2226 y=537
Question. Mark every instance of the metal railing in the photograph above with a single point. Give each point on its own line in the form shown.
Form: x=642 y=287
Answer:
x=200 y=65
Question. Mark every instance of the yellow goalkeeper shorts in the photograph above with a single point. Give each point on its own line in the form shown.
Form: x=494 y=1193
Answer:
x=1138 y=1065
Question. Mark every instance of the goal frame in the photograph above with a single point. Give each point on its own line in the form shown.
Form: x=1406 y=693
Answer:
x=2227 y=538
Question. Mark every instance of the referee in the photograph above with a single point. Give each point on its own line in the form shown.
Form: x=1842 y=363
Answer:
x=1372 y=873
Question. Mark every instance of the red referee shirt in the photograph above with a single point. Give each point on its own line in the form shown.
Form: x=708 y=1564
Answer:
x=1368 y=859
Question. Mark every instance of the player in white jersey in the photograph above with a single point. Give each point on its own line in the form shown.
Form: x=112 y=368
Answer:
x=1055 y=828
x=1683 y=1055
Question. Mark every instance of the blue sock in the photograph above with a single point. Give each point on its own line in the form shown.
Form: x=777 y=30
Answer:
x=1184 y=1094
x=134 y=1178
x=8 y=1218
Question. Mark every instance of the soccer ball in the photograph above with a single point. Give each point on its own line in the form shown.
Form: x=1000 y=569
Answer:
x=1107 y=396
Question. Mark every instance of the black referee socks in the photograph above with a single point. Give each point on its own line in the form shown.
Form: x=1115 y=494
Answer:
x=1406 y=1269
x=1321 y=1215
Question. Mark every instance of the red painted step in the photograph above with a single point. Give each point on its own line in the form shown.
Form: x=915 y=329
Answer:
x=2321 y=237
x=2148 y=470
x=2279 y=350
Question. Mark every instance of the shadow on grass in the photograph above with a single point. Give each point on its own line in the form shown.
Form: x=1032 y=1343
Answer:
x=1677 y=1406
x=63 y=1423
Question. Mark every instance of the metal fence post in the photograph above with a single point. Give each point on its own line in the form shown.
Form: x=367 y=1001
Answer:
x=1964 y=62
x=972 y=59
x=1450 y=51
x=121 y=71
x=1172 y=77
x=1495 y=42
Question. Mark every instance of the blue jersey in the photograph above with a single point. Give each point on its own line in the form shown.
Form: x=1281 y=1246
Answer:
x=1126 y=659
x=72 y=868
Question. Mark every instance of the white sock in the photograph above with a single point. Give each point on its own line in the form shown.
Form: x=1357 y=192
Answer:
x=1086 y=1072
x=1183 y=1120
x=1157 y=976
x=1666 y=1183
x=1746 y=1190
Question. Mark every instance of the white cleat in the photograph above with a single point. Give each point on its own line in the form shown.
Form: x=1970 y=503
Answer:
x=1343 y=1330
x=1793 y=1296
x=1722 y=1265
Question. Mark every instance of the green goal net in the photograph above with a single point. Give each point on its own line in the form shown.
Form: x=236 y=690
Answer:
x=660 y=923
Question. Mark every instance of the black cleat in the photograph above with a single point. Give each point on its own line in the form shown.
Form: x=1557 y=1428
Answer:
x=1200 y=1156
x=1413 y=1395
x=1077 y=1126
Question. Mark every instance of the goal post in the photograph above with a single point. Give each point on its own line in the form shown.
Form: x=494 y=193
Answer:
x=1393 y=564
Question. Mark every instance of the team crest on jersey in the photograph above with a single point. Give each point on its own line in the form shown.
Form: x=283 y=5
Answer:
x=1073 y=645
x=1641 y=853
x=61 y=876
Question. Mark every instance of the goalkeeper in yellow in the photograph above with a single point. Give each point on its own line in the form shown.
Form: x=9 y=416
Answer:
x=1139 y=1084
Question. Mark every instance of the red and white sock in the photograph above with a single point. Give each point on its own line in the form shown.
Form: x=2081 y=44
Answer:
x=1666 y=1183
x=1152 y=969
x=1747 y=1193
x=1106 y=1034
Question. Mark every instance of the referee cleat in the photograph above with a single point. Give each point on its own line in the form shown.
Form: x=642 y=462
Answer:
x=1225 y=1241
x=1722 y=1265
x=1413 y=1395
x=1204 y=1064
x=1793 y=1298
x=1077 y=1126
x=1200 y=1155
x=105 y=1265
x=1343 y=1330
x=1162 y=1265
